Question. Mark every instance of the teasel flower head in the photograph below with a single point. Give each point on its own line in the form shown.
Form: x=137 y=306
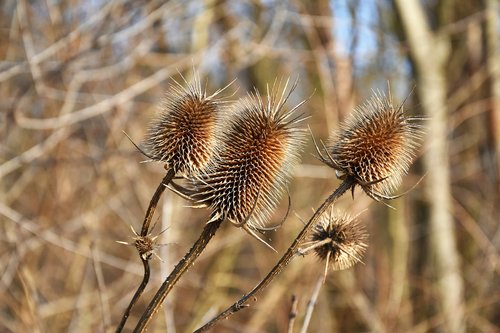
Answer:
x=260 y=147
x=338 y=239
x=374 y=147
x=145 y=245
x=183 y=136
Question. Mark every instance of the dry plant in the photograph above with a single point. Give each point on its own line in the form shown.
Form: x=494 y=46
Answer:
x=75 y=75
x=183 y=139
x=372 y=147
x=241 y=176
x=259 y=146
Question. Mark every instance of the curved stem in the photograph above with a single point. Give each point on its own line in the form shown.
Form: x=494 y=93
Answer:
x=285 y=259
x=138 y=293
x=145 y=260
x=198 y=247
x=154 y=201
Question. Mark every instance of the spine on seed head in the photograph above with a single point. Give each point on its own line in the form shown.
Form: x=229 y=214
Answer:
x=183 y=137
x=259 y=149
x=375 y=144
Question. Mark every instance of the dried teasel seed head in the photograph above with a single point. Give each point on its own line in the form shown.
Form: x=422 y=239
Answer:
x=145 y=245
x=375 y=146
x=339 y=239
x=259 y=149
x=183 y=137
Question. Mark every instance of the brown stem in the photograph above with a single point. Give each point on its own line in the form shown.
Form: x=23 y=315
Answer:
x=145 y=260
x=285 y=259
x=198 y=247
x=154 y=201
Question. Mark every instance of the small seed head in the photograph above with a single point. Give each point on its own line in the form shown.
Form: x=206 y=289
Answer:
x=183 y=137
x=146 y=245
x=375 y=145
x=346 y=240
x=259 y=149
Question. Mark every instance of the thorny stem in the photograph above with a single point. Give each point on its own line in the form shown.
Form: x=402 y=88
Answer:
x=181 y=267
x=285 y=259
x=145 y=260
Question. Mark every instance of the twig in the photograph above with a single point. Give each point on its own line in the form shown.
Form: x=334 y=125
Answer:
x=285 y=260
x=54 y=239
x=154 y=202
x=145 y=259
x=293 y=314
x=56 y=47
x=311 y=304
x=29 y=47
x=96 y=109
x=198 y=247
x=103 y=299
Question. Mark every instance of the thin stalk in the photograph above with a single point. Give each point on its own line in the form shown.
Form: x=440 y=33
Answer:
x=198 y=247
x=311 y=304
x=154 y=202
x=315 y=245
x=293 y=314
x=285 y=259
x=145 y=260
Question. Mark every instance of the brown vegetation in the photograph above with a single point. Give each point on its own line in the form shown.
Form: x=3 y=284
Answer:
x=75 y=74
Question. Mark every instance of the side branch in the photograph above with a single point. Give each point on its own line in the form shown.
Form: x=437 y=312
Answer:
x=285 y=259
x=144 y=257
x=154 y=201
x=198 y=247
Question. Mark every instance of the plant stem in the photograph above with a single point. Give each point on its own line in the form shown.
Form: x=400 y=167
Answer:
x=154 y=202
x=285 y=259
x=198 y=247
x=293 y=314
x=311 y=304
x=145 y=260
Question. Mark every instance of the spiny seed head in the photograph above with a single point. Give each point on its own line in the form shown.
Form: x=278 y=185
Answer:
x=145 y=245
x=183 y=137
x=344 y=240
x=259 y=149
x=375 y=145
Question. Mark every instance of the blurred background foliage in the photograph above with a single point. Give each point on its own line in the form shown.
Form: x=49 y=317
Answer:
x=75 y=74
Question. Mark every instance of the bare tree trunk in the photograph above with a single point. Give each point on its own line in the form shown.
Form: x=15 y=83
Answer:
x=430 y=53
x=493 y=63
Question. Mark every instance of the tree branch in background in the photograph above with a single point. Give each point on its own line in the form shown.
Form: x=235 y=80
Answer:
x=430 y=51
